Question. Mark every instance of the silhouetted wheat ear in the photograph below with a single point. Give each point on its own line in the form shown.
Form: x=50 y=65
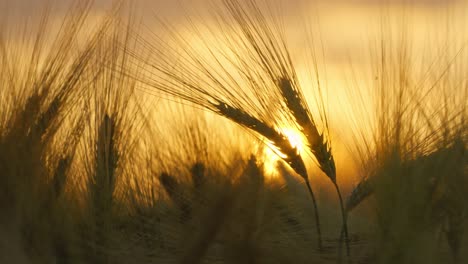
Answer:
x=102 y=186
x=106 y=159
x=316 y=141
x=363 y=190
x=60 y=176
x=280 y=141
x=170 y=185
x=175 y=193
x=366 y=187
x=107 y=156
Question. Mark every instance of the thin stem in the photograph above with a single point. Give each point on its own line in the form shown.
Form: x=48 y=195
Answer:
x=340 y=246
x=345 y=224
x=317 y=219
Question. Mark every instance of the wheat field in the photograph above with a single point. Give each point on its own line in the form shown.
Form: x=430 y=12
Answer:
x=222 y=137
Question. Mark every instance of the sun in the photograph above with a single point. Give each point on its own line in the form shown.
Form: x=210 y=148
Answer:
x=294 y=138
x=271 y=155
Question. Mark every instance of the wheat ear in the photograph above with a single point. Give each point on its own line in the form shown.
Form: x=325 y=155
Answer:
x=291 y=155
x=316 y=141
x=102 y=183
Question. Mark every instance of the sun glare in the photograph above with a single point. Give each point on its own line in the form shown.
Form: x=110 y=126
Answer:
x=294 y=138
x=271 y=155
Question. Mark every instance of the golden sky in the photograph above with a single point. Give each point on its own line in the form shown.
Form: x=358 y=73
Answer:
x=347 y=31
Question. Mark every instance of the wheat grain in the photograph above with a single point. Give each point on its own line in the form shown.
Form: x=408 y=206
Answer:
x=280 y=141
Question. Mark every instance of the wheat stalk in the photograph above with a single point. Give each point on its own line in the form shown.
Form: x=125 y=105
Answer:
x=242 y=83
x=102 y=184
x=316 y=141
x=280 y=141
x=291 y=155
x=362 y=190
x=175 y=193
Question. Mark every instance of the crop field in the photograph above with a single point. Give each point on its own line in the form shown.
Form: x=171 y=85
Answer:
x=232 y=131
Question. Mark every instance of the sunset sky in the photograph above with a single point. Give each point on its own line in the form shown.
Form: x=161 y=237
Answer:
x=347 y=30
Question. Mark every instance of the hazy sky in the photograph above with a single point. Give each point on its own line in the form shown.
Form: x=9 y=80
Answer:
x=347 y=27
x=174 y=5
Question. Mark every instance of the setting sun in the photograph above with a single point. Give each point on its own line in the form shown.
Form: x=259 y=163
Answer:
x=271 y=153
x=294 y=138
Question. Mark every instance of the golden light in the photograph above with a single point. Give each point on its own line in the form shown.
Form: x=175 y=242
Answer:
x=270 y=161
x=294 y=138
x=271 y=155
